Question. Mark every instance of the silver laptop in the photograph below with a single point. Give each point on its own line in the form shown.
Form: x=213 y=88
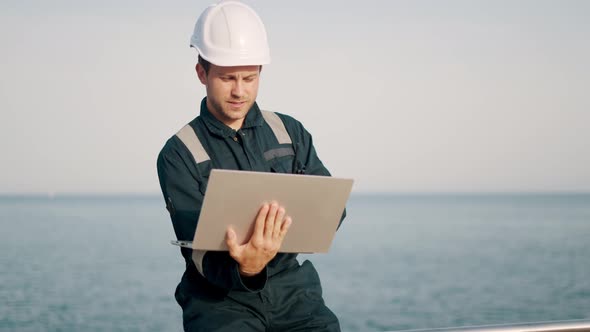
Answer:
x=315 y=204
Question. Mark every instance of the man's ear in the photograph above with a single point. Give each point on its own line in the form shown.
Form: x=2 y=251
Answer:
x=201 y=73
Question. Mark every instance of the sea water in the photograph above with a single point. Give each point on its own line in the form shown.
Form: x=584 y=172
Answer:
x=104 y=263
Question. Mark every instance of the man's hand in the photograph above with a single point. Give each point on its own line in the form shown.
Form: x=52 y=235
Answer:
x=269 y=231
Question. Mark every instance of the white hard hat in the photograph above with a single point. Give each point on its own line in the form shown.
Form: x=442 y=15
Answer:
x=231 y=34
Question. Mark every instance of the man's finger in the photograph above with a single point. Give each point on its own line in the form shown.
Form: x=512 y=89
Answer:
x=285 y=227
x=270 y=220
x=231 y=240
x=260 y=221
x=279 y=220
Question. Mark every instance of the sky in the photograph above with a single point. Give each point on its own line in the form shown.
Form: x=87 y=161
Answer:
x=402 y=96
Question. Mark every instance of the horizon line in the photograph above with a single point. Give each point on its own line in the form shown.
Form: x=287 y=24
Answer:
x=354 y=193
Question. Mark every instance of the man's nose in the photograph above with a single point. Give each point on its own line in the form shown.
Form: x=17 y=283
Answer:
x=238 y=88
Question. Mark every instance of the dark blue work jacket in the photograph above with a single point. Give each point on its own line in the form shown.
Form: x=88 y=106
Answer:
x=183 y=181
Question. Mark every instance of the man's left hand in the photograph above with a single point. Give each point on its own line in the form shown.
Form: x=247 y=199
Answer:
x=270 y=228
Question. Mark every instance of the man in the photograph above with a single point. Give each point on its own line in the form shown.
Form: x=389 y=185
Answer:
x=252 y=287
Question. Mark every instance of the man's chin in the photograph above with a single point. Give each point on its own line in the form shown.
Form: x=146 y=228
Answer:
x=235 y=114
x=238 y=111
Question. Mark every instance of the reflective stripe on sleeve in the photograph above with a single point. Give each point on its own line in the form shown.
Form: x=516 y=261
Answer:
x=197 y=257
x=277 y=126
x=189 y=138
x=277 y=153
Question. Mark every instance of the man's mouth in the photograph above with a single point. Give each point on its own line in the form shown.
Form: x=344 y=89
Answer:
x=237 y=103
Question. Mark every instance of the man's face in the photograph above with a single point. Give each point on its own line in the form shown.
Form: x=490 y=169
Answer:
x=231 y=91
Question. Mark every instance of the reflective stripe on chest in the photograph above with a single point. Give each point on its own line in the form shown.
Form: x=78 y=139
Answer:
x=190 y=139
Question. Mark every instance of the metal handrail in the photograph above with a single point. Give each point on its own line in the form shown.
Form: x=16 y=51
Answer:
x=554 y=326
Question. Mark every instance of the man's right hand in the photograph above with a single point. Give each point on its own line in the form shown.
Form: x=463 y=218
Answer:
x=270 y=228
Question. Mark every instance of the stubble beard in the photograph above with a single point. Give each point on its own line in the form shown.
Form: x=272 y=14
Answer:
x=226 y=115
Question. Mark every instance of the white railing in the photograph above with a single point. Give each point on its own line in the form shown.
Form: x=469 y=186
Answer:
x=556 y=326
